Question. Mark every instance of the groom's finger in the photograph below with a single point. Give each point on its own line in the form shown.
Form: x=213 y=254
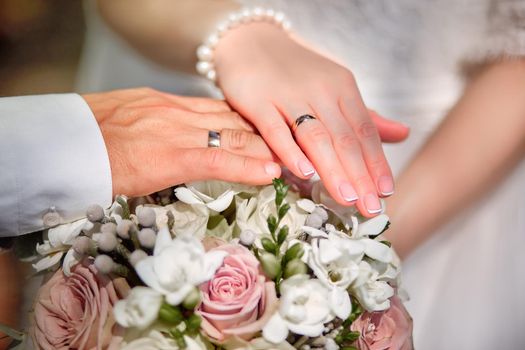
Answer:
x=219 y=164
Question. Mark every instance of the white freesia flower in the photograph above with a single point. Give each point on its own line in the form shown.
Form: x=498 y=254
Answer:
x=178 y=265
x=154 y=340
x=216 y=195
x=59 y=240
x=140 y=308
x=253 y=213
x=305 y=306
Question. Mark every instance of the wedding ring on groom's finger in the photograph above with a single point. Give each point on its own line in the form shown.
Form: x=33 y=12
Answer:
x=214 y=139
x=300 y=120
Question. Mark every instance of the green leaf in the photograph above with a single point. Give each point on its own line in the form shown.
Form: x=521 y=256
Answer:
x=272 y=224
x=125 y=207
x=351 y=336
x=11 y=333
x=387 y=243
x=170 y=314
x=283 y=233
x=283 y=210
x=268 y=245
x=193 y=323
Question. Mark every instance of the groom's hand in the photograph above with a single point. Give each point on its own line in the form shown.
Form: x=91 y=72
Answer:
x=156 y=140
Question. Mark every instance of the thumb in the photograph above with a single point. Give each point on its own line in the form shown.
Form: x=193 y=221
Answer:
x=219 y=164
x=389 y=130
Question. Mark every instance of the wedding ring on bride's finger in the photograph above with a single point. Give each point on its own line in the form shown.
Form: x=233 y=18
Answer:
x=214 y=139
x=300 y=120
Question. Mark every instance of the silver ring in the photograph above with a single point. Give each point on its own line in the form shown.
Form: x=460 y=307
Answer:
x=301 y=120
x=214 y=139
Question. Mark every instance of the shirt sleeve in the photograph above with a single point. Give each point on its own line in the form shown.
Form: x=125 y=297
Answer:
x=52 y=158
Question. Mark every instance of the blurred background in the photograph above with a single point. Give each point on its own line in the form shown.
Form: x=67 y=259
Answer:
x=40 y=45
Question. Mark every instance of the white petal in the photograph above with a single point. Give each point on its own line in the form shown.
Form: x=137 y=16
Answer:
x=176 y=297
x=313 y=232
x=145 y=271
x=340 y=302
x=328 y=252
x=306 y=205
x=48 y=262
x=163 y=240
x=377 y=250
x=372 y=227
x=222 y=203
x=276 y=330
x=191 y=344
x=212 y=261
x=71 y=259
x=310 y=330
x=187 y=196
x=66 y=233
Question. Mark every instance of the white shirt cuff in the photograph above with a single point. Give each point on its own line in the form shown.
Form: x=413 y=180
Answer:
x=52 y=155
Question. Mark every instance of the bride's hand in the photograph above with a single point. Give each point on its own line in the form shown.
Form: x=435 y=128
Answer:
x=272 y=80
x=156 y=140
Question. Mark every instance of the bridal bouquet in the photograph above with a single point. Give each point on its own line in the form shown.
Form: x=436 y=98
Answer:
x=214 y=265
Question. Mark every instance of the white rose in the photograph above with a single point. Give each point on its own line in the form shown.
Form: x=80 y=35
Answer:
x=305 y=306
x=189 y=219
x=154 y=340
x=140 y=308
x=216 y=195
x=253 y=213
x=178 y=265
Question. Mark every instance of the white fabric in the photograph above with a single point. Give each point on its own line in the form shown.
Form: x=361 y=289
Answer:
x=52 y=155
x=467 y=283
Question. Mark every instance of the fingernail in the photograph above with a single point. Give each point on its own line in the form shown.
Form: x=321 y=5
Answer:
x=372 y=204
x=306 y=168
x=272 y=169
x=386 y=185
x=348 y=192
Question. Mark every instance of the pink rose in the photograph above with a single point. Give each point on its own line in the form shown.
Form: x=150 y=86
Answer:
x=389 y=329
x=237 y=301
x=75 y=312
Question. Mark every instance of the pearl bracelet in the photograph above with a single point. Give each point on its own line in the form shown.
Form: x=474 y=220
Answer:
x=205 y=52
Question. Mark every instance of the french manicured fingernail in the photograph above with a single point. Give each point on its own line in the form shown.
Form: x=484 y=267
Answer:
x=386 y=185
x=272 y=169
x=306 y=168
x=372 y=204
x=348 y=192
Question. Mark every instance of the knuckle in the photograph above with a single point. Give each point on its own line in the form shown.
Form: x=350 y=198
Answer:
x=214 y=159
x=238 y=139
x=367 y=129
x=318 y=134
x=347 y=140
x=274 y=128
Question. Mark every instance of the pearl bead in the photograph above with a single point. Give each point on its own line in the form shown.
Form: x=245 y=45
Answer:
x=211 y=75
x=212 y=40
x=246 y=15
x=222 y=28
x=203 y=67
x=270 y=13
x=258 y=13
x=286 y=25
x=204 y=53
x=279 y=17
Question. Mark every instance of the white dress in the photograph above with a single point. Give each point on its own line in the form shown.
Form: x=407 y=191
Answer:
x=467 y=283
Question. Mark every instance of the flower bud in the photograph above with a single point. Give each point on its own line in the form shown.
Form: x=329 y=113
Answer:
x=136 y=256
x=192 y=299
x=321 y=212
x=170 y=314
x=146 y=216
x=104 y=264
x=109 y=227
x=295 y=267
x=107 y=242
x=95 y=213
x=270 y=265
x=296 y=251
x=314 y=220
x=84 y=246
x=247 y=237
x=268 y=245
x=147 y=237
x=193 y=323
x=123 y=228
